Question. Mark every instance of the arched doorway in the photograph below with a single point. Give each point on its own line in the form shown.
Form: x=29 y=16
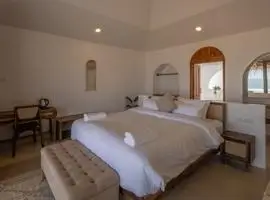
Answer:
x=166 y=80
x=207 y=74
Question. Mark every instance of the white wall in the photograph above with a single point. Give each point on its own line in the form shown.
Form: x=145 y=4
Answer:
x=239 y=51
x=35 y=65
x=249 y=119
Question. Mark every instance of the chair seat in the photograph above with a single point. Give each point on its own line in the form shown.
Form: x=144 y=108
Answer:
x=29 y=125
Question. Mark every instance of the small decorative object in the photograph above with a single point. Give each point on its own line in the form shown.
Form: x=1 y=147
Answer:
x=131 y=103
x=216 y=89
x=85 y=118
x=129 y=139
x=44 y=103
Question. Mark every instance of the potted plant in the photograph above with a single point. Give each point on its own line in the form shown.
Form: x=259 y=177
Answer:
x=216 y=89
x=131 y=103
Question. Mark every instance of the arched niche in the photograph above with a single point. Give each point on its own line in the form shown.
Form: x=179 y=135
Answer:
x=166 y=80
x=91 y=75
x=207 y=56
x=256 y=80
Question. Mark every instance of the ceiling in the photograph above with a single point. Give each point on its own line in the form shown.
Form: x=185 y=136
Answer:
x=234 y=17
x=133 y=24
x=60 y=17
x=163 y=13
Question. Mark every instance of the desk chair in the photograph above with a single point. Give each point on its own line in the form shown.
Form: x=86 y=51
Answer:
x=27 y=118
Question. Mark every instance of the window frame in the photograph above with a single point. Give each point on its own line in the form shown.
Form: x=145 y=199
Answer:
x=257 y=97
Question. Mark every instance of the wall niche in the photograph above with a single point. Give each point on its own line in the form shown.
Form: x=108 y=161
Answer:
x=91 y=75
x=166 y=80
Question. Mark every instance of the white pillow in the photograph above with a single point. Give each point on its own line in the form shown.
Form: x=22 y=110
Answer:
x=166 y=103
x=187 y=109
x=202 y=105
x=156 y=97
x=141 y=99
x=150 y=104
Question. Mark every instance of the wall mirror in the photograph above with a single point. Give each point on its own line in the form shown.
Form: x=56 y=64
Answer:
x=91 y=76
x=166 y=80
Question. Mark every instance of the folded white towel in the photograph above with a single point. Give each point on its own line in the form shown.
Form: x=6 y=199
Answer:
x=129 y=139
x=94 y=116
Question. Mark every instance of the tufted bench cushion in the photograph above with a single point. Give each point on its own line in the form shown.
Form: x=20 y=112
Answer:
x=74 y=172
x=267 y=193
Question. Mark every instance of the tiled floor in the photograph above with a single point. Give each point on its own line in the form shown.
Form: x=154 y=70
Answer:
x=214 y=181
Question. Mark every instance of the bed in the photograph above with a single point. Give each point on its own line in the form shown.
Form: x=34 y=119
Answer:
x=167 y=146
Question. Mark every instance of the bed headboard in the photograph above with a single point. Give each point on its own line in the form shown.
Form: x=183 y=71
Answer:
x=217 y=111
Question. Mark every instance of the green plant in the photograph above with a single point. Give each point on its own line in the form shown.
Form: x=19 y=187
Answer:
x=216 y=89
x=131 y=103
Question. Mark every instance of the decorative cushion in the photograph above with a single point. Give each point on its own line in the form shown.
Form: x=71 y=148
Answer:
x=166 y=103
x=187 y=109
x=200 y=104
x=150 y=104
x=142 y=97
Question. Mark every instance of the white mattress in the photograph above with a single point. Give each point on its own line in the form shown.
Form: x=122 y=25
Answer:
x=165 y=145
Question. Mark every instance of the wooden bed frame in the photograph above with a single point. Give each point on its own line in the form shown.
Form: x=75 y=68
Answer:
x=216 y=111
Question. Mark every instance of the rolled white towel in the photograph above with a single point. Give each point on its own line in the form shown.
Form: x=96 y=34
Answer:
x=129 y=139
x=94 y=116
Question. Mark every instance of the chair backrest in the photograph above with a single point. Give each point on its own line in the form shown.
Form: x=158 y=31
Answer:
x=26 y=112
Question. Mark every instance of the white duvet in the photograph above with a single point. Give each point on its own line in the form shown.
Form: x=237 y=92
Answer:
x=165 y=145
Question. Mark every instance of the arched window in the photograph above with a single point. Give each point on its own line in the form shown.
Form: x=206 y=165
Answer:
x=256 y=80
x=91 y=75
x=207 y=74
x=166 y=80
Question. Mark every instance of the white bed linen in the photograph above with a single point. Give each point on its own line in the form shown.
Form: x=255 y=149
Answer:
x=165 y=145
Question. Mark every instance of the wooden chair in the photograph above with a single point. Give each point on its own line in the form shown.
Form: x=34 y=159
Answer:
x=27 y=118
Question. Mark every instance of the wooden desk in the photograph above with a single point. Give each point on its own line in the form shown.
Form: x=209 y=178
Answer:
x=7 y=117
x=50 y=114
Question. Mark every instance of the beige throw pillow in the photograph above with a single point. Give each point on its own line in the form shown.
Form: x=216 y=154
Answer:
x=166 y=103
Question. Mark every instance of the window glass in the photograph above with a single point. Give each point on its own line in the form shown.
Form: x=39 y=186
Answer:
x=255 y=79
x=268 y=76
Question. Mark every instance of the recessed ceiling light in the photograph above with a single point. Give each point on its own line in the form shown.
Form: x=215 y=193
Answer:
x=98 y=30
x=198 y=29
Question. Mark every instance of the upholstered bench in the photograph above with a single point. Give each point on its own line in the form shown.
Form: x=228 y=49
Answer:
x=267 y=193
x=75 y=173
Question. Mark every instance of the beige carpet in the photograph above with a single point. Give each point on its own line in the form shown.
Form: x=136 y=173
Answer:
x=28 y=186
x=212 y=182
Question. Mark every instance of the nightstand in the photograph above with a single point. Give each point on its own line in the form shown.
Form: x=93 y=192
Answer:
x=238 y=147
x=64 y=123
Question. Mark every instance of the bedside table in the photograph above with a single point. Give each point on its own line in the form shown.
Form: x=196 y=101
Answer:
x=64 y=123
x=238 y=147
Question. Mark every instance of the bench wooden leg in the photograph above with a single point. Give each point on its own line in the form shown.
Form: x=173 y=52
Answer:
x=43 y=177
